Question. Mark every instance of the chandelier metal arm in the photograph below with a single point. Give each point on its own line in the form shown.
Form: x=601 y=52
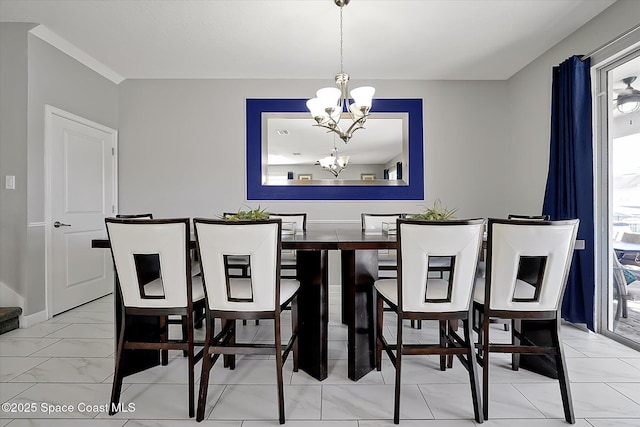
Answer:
x=357 y=124
x=333 y=126
x=335 y=172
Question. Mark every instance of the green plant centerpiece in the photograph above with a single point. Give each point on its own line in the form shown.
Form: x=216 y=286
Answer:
x=436 y=213
x=249 y=214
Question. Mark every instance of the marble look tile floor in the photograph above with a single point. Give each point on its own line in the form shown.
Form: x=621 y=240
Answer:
x=68 y=360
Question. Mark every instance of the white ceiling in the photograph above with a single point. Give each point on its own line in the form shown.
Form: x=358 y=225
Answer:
x=299 y=39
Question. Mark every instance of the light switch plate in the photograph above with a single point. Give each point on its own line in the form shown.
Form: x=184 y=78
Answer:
x=10 y=182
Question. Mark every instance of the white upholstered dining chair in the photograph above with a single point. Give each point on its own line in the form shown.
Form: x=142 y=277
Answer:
x=262 y=295
x=174 y=292
x=504 y=293
x=417 y=296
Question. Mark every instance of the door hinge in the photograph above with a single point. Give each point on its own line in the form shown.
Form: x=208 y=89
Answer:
x=113 y=151
x=113 y=209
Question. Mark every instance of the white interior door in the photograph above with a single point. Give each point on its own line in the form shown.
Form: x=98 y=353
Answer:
x=81 y=193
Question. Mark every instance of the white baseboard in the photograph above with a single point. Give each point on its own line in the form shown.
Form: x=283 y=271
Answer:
x=9 y=297
x=33 y=319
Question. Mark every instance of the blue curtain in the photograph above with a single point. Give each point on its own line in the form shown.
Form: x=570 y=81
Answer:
x=569 y=190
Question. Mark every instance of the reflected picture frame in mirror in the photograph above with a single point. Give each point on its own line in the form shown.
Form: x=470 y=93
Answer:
x=411 y=187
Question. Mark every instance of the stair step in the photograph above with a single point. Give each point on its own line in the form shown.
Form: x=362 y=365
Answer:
x=9 y=318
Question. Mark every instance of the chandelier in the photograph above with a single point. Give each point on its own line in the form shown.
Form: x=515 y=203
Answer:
x=327 y=107
x=334 y=163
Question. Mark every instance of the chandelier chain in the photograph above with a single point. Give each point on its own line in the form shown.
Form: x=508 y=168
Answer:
x=341 y=47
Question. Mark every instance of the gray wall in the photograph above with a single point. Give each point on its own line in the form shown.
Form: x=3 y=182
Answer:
x=59 y=80
x=182 y=146
x=36 y=74
x=13 y=153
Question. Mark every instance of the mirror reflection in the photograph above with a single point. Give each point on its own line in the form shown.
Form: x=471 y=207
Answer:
x=296 y=151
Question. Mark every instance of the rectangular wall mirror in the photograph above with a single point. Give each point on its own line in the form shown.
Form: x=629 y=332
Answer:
x=284 y=149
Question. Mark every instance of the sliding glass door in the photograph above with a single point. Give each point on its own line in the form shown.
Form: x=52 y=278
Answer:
x=618 y=130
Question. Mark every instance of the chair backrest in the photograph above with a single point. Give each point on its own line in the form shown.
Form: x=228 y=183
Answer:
x=133 y=241
x=260 y=240
x=512 y=242
x=298 y=219
x=148 y=265
x=418 y=241
x=373 y=221
x=529 y=267
x=135 y=216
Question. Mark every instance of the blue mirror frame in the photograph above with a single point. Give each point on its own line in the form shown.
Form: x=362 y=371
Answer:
x=256 y=190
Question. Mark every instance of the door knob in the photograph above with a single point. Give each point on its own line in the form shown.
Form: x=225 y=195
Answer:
x=59 y=224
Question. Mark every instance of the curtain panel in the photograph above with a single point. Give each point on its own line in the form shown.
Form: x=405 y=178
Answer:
x=569 y=190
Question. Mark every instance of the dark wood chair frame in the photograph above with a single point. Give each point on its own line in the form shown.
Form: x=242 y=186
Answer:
x=450 y=342
x=135 y=216
x=285 y=267
x=520 y=344
x=224 y=342
x=128 y=340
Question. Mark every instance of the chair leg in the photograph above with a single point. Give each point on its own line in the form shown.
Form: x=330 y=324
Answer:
x=453 y=326
x=207 y=364
x=164 y=335
x=294 y=327
x=279 y=363
x=191 y=366
x=565 y=388
x=117 y=375
x=618 y=309
x=185 y=332
x=485 y=366
x=398 y=365
x=379 y=329
x=516 y=327
x=443 y=332
x=229 y=360
x=473 y=373
x=199 y=316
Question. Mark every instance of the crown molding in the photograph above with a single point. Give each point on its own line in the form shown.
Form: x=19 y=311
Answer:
x=45 y=34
